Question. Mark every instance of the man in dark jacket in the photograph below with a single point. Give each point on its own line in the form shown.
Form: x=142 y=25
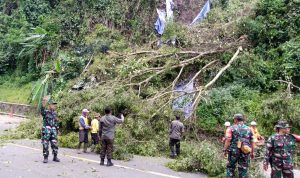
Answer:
x=107 y=133
x=176 y=130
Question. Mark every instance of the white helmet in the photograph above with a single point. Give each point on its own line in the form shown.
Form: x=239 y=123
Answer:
x=85 y=110
x=253 y=123
x=227 y=124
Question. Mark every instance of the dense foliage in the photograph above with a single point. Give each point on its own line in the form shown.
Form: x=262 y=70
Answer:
x=33 y=31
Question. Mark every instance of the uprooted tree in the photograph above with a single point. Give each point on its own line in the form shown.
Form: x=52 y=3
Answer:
x=142 y=69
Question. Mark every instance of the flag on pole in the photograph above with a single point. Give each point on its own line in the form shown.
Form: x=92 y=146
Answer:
x=203 y=13
x=169 y=9
x=161 y=21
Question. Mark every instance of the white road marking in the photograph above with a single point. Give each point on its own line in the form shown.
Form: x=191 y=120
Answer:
x=94 y=161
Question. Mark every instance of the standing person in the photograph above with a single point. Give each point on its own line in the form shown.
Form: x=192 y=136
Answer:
x=256 y=134
x=279 y=152
x=49 y=129
x=83 y=130
x=227 y=125
x=238 y=145
x=176 y=130
x=107 y=134
x=95 y=131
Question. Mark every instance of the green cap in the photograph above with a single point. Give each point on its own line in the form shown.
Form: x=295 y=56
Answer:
x=282 y=124
x=239 y=117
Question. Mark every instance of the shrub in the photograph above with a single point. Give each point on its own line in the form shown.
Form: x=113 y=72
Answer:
x=201 y=157
x=69 y=140
x=30 y=129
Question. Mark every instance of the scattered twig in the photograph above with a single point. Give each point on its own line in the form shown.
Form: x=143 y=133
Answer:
x=87 y=64
x=224 y=68
x=234 y=57
x=290 y=85
x=201 y=70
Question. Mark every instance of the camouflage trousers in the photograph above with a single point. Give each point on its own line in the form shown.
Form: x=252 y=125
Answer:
x=49 y=135
x=282 y=168
x=243 y=160
x=107 y=148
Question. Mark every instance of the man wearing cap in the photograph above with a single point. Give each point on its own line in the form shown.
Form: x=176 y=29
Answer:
x=256 y=135
x=176 y=130
x=83 y=130
x=239 y=146
x=95 y=131
x=279 y=152
x=227 y=125
x=49 y=129
x=107 y=133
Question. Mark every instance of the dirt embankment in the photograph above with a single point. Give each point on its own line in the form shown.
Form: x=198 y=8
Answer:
x=187 y=10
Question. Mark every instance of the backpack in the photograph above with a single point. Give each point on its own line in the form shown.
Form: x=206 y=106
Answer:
x=242 y=144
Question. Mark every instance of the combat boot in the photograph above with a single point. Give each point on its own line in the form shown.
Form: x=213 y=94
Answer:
x=102 y=162
x=55 y=158
x=109 y=163
x=45 y=159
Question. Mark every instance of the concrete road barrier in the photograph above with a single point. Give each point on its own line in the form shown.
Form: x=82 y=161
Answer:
x=17 y=109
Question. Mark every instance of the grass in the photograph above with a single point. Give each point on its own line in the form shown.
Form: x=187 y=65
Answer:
x=15 y=89
x=15 y=94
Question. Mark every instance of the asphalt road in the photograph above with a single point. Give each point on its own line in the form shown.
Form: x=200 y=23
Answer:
x=23 y=159
x=8 y=122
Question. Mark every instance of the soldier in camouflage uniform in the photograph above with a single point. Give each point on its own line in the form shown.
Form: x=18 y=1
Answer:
x=280 y=148
x=49 y=130
x=239 y=132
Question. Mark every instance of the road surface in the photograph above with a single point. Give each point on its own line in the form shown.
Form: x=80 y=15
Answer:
x=23 y=158
x=9 y=122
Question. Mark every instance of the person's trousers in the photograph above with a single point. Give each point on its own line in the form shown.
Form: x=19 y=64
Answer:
x=174 y=146
x=243 y=160
x=282 y=168
x=49 y=135
x=83 y=136
x=107 y=146
x=95 y=138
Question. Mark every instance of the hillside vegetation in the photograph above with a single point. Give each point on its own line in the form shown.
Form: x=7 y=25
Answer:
x=244 y=58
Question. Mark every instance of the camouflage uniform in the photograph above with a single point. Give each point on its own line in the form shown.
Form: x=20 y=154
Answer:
x=235 y=155
x=279 y=153
x=49 y=131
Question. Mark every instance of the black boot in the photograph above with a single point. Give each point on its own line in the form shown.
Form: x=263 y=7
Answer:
x=55 y=158
x=45 y=159
x=109 y=163
x=102 y=162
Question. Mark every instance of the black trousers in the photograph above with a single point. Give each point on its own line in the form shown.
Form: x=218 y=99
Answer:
x=174 y=146
x=95 y=138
